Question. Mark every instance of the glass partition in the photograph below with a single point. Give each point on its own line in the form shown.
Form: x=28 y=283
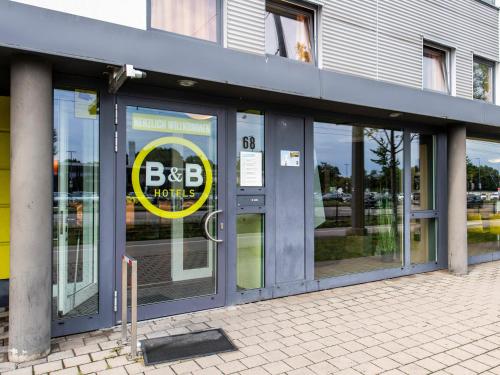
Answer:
x=171 y=187
x=250 y=149
x=483 y=204
x=76 y=203
x=250 y=251
x=422 y=171
x=358 y=199
x=423 y=241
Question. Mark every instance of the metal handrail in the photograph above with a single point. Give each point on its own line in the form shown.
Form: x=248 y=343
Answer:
x=129 y=261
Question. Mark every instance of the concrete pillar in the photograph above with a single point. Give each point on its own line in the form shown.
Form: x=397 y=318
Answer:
x=457 y=201
x=31 y=209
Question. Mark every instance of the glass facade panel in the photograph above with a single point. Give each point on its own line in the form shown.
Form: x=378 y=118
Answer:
x=195 y=18
x=171 y=186
x=435 y=69
x=423 y=235
x=250 y=149
x=358 y=200
x=422 y=171
x=76 y=204
x=289 y=31
x=483 y=203
x=250 y=251
x=483 y=80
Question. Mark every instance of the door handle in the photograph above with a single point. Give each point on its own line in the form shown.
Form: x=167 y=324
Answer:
x=205 y=225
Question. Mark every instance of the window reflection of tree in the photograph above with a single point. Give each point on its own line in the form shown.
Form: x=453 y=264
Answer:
x=388 y=146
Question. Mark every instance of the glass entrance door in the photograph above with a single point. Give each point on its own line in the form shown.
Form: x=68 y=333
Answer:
x=171 y=206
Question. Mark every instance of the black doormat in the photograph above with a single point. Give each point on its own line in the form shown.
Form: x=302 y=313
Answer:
x=186 y=345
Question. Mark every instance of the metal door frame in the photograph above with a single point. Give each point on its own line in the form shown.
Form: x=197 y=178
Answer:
x=168 y=308
x=104 y=316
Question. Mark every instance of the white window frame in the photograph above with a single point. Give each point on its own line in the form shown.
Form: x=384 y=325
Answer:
x=314 y=7
x=494 y=65
x=450 y=58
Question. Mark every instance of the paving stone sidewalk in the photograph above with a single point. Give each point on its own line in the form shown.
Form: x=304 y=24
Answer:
x=428 y=323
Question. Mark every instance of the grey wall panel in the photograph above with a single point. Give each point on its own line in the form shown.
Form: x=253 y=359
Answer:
x=289 y=187
x=245 y=25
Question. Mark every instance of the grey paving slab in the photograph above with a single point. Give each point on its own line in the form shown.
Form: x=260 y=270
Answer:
x=428 y=323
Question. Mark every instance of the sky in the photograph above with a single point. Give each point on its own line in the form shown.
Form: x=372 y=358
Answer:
x=333 y=145
x=487 y=152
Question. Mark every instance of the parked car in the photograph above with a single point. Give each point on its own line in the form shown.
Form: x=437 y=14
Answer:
x=474 y=201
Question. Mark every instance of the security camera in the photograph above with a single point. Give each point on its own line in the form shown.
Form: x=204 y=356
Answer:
x=118 y=76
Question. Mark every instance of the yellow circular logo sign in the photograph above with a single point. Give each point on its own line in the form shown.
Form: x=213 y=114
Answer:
x=173 y=177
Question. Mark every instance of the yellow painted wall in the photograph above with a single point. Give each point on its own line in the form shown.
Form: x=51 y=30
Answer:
x=4 y=185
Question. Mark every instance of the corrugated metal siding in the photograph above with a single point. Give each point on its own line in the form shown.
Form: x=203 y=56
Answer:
x=382 y=39
x=245 y=25
x=349 y=32
x=349 y=48
x=464 y=73
x=399 y=26
x=400 y=60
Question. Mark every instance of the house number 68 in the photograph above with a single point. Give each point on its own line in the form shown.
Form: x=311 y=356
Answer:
x=248 y=143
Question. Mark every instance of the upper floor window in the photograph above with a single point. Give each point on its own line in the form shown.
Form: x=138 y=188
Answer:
x=436 y=72
x=290 y=31
x=194 y=18
x=483 y=79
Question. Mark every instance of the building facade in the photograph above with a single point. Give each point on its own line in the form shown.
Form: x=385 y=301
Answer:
x=239 y=150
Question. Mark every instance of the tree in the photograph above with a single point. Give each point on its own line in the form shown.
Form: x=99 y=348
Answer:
x=488 y=177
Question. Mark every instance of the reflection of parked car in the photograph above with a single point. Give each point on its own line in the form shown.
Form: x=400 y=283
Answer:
x=334 y=196
x=370 y=200
x=474 y=201
x=346 y=197
x=495 y=195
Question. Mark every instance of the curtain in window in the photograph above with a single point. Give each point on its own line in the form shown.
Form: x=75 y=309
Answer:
x=302 y=42
x=289 y=33
x=195 y=18
x=435 y=70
